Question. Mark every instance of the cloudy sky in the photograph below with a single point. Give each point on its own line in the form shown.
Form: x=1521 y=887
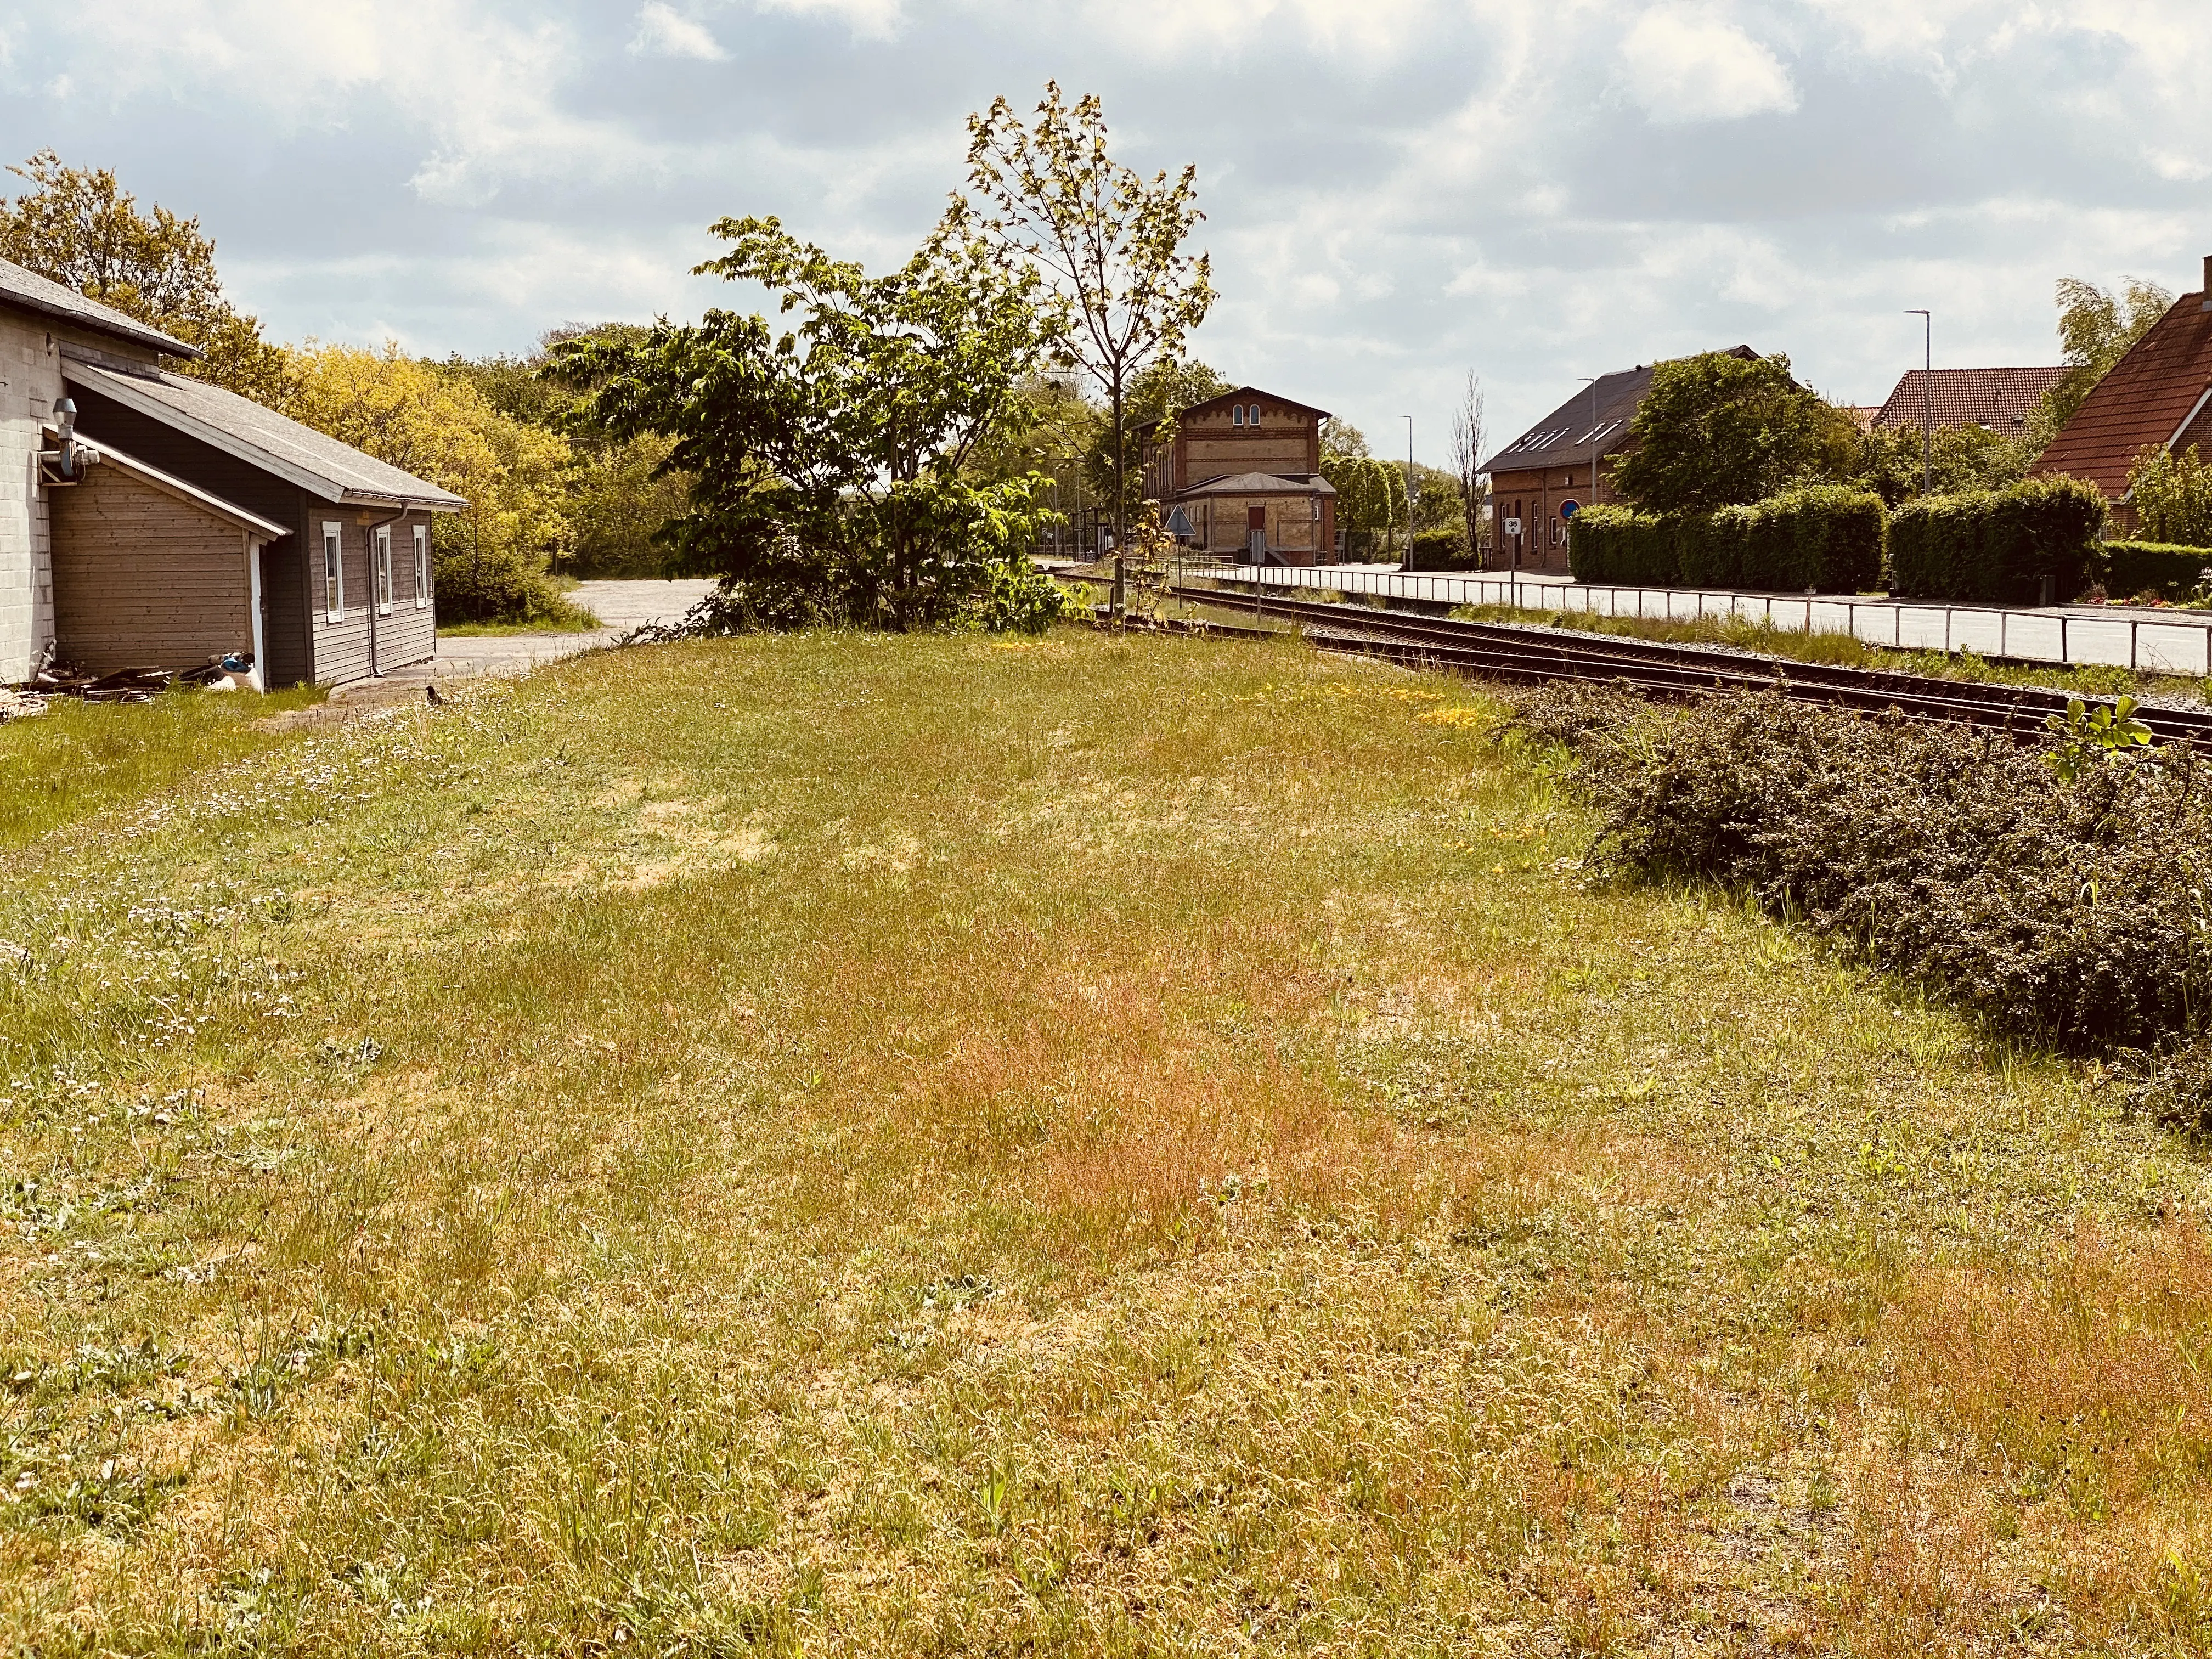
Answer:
x=1397 y=191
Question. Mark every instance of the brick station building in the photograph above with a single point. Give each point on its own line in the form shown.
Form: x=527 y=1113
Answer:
x=1245 y=468
x=1560 y=466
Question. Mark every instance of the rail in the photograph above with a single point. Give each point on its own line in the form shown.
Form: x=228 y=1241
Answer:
x=2152 y=644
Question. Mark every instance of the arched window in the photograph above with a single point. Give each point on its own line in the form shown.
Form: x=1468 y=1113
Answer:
x=1252 y=416
x=1236 y=414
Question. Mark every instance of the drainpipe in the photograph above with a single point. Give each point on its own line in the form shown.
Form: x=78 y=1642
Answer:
x=375 y=587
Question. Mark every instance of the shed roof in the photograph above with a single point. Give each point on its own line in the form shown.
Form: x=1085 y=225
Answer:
x=1998 y=398
x=1585 y=423
x=29 y=291
x=213 y=505
x=1261 y=484
x=315 y=461
x=2149 y=397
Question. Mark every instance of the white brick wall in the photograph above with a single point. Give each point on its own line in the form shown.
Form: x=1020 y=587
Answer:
x=30 y=383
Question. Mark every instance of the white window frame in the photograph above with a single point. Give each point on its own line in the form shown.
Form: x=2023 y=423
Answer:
x=421 y=566
x=333 y=571
x=1236 y=414
x=381 y=575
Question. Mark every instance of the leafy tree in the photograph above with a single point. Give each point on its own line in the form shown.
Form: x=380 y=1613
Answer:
x=829 y=465
x=2171 y=496
x=1895 y=464
x=78 y=226
x=1370 y=494
x=2095 y=329
x=617 y=493
x=1719 y=430
x=492 y=558
x=1106 y=242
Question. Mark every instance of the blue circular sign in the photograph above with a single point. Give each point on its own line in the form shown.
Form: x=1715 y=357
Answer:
x=1569 y=507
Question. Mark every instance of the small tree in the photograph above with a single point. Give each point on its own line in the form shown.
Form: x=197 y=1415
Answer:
x=1720 y=430
x=1107 y=242
x=1370 y=494
x=2172 y=496
x=79 y=228
x=829 y=464
x=1469 y=438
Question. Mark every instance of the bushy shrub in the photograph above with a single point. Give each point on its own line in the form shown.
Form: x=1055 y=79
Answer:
x=2171 y=496
x=1443 y=549
x=1828 y=537
x=2072 y=912
x=2128 y=569
x=1621 y=545
x=1997 y=546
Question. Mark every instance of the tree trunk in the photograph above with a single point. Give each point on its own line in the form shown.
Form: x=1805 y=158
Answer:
x=1121 y=479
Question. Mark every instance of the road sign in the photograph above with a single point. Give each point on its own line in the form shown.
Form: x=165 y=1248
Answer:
x=1569 y=507
x=1513 y=526
x=1179 y=525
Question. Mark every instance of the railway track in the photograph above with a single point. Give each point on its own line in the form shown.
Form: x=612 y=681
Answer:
x=1513 y=652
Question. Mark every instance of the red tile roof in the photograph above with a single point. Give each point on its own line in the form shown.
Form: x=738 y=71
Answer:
x=1998 y=398
x=2146 y=398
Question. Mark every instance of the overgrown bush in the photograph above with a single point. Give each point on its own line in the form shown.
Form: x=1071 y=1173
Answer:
x=1443 y=549
x=1997 y=546
x=1828 y=537
x=2171 y=496
x=2130 y=569
x=2073 y=912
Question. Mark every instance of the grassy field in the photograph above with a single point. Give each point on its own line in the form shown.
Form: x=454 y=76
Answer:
x=848 y=1146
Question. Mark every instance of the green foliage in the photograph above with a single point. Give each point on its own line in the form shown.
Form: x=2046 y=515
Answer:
x=1997 y=547
x=2128 y=570
x=2066 y=908
x=827 y=465
x=78 y=226
x=1828 y=537
x=1102 y=245
x=1443 y=547
x=1720 y=430
x=2171 y=496
x=2095 y=330
x=1893 y=464
x=2086 y=737
x=1018 y=597
x=1370 y=494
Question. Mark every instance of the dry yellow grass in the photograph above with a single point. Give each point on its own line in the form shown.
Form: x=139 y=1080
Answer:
x=887 y=1146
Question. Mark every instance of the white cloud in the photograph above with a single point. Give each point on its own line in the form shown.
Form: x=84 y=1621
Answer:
x=665 y=32
x=1681 y=66
x=869 y=20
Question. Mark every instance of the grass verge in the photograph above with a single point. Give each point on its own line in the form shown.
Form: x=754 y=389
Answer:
x=945 y=1145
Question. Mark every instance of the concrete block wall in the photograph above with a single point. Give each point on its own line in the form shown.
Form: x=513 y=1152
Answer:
x=30 y=381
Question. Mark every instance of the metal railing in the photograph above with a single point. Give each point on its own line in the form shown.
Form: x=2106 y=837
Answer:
x=2155 y=644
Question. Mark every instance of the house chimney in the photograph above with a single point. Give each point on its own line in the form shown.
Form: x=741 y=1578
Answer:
x=2208 y=283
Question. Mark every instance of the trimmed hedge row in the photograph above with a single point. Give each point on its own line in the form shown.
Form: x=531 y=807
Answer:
x=1828 y=537
x=1997 y=546
x=2128 y=569
x=1439 y=550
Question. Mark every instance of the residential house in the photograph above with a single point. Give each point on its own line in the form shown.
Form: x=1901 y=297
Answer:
x=1245 y=470
x=2160 y=395
x=1562 y=465
x=151 y=520
x=2000 y=399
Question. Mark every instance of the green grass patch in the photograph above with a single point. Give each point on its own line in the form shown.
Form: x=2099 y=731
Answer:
x=79 y=757
x=941 y=1146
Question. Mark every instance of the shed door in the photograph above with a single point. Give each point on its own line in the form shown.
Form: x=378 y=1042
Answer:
x=1255 y=518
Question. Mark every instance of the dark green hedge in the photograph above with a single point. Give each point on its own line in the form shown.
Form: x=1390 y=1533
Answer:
x=1828 y=539
x=2127 y=569
x=1997 y=546
x=1439 y=550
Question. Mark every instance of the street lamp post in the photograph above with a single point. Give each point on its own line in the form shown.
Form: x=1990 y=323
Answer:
x=1927 y=400
x=1409 y=485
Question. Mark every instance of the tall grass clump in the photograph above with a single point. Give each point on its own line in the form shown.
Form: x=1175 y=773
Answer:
x=2072 y=913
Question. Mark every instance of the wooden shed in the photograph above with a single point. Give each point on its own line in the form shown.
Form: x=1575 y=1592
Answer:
x=204 y=524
